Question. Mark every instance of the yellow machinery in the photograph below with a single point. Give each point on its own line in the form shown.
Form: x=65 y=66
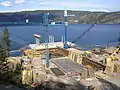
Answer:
x=113 y=56
x=37 y=36
x=111 y=61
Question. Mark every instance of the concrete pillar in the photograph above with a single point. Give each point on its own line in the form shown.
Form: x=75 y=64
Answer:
x=53 y=39
x=49 y=38
x=62 y=39
x=37 y=40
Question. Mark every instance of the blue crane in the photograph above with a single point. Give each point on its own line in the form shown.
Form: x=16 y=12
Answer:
x=66 y=24
x=46 y=23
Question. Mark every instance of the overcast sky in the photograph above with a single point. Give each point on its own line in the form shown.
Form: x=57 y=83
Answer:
x=86 y=5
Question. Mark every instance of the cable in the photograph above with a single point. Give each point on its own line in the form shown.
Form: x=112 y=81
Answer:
x=83 y=33
x=26 y=42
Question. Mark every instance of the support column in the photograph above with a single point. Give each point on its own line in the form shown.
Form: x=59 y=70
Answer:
x=47 y=54
x=37 y=39
x=66 y=24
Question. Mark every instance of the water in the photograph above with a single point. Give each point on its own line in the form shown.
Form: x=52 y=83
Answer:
x=99 y=35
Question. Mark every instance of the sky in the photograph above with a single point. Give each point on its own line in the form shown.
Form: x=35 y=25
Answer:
x=81 y=5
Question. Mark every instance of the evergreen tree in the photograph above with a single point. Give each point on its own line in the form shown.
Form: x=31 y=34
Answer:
x=4 y=49
x=3 y=61
x=2 y=54
x=6 y=40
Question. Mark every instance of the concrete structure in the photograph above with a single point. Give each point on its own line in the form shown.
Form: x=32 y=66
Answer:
x=75 y=55
x=50 y=45
x=37 y=38
x=72 y=69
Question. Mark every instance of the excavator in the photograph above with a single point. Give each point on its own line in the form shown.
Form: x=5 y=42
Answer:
x=112 y=62
x=112 y=56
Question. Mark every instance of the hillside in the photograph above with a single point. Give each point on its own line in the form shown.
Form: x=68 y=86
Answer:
x=84 y=17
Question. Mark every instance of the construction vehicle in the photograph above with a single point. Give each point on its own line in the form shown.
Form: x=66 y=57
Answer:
x=113 y=56
x=112 y=62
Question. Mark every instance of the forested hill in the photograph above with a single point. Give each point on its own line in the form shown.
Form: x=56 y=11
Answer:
x=84 y=17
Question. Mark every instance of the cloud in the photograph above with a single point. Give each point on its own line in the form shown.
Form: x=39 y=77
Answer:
x=6 y=3
x=83 y=5
x=20 y=1
x=97 y=10
x=71 y=5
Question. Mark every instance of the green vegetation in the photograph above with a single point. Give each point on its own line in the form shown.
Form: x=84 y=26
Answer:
x=4 y=50
x=3 y=61
x=6 y=40
x=6 y=74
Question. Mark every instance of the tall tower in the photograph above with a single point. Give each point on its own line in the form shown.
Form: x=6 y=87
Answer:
x=46 y=21
x=66 y=24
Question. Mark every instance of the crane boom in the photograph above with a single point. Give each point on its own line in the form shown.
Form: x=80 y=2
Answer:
x=83 y=33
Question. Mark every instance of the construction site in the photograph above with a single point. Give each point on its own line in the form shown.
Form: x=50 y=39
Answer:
x=64 y=66
x=52 y=66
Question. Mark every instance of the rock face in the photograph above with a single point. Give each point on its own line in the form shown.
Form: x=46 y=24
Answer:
x=82 y=17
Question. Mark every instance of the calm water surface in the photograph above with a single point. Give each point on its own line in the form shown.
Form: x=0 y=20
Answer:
x=99 y=35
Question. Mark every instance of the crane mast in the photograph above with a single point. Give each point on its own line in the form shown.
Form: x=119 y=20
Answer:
x=66 y=24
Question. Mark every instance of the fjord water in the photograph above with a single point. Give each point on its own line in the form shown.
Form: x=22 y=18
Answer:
x=99 y=35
